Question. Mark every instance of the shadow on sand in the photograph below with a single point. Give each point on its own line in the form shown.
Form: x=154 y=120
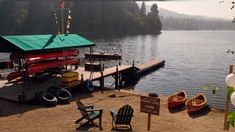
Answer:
x=201 y=112
x=178 y=109
x=122 y=129
x=87 y=126
x=8 y=108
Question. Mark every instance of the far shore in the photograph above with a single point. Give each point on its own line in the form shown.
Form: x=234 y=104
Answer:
x=28 y=118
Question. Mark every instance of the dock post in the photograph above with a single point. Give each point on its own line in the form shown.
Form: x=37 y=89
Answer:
x=102 y=82
x=120 y=80
x=82 y=82
x=116 y=78
x=226 y=127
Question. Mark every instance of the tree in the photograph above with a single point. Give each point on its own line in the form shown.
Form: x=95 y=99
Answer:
x=154 y=11
x=89 y=17
x=143 y=9
x=153 y=22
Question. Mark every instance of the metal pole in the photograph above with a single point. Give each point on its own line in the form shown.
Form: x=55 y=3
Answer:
x=227 y=103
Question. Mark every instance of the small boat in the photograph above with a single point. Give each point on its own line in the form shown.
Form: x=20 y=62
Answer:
x=177 y=100
x=102 y=56
x=197 y=103
x=41 y=66
x=37 y=57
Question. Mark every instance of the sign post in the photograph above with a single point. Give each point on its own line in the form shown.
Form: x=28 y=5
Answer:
x=150 y=105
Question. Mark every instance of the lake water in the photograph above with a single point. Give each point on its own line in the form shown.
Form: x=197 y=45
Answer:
x=193 y=59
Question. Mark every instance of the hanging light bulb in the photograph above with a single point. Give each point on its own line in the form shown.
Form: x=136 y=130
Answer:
x=69 y=17
x=233 y=98
x=230 y=80
x=57 y=23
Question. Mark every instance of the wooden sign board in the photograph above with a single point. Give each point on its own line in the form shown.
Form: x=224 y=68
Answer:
x=149 y=105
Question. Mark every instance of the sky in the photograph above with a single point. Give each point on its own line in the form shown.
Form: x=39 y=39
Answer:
x=210 y=8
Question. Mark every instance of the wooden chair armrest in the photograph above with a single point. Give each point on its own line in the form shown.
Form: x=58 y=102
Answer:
x=92 y=110
x=113 y=113
x=89 y=106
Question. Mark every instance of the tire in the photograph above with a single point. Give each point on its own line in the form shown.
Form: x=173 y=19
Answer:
x=38 y=97
x=63 y=96
x=89 y=85
x=53 y=89
x=49 y=99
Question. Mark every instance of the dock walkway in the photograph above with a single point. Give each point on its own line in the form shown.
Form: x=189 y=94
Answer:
x=11 y=91
x=97 y=75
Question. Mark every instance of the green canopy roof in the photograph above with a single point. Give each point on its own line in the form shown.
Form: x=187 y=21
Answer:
x=42 y=43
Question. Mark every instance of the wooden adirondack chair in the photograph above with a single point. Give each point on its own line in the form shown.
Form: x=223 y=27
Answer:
x=89 y=113
x=122 y=117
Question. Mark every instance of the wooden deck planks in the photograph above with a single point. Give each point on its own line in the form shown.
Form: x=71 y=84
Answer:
x=149 y=64
x=97 y=75
x=12 y=91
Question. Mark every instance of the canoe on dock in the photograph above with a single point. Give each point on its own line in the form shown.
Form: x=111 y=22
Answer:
x=176 y=100
x=102 y=56
x=197 y=103
x=41 y=66
x=37 y=57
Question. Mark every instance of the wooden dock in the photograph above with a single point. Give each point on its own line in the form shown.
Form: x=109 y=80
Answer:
x=146 y=68
x=97 y=75
x=110 y=71
x=12 y=91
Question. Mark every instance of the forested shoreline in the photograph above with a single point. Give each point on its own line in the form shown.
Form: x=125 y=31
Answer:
x=88 y=17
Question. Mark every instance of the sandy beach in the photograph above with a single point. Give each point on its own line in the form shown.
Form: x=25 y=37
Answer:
x=35 y=118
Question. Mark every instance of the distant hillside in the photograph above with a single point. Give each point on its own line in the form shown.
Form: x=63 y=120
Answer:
x=176 y=21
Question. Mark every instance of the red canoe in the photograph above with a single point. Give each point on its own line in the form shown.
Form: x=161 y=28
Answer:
x=41 y=66
x=177 y=100
x=33 y=58
x=197 y=103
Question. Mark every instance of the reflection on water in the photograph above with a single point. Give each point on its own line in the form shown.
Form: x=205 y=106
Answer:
x=193 y=59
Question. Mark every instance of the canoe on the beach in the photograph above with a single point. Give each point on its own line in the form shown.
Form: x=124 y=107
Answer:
x=177 y=100
x=197 y=103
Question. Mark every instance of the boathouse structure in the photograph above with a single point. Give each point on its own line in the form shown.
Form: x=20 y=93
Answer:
x=25 y=46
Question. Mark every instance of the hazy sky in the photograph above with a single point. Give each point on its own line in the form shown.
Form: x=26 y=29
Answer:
x=210 y=8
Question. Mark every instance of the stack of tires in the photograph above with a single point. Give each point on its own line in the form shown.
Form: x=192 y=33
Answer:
x=54 y=95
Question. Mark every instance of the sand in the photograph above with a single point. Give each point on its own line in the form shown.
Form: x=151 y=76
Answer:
x=33 y=118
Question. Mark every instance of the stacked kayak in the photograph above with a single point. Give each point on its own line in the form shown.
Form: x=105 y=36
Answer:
x=39 y=62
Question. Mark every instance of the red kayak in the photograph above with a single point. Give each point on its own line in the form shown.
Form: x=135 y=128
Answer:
x=33 y=58
x=13 y=75
x=41 y=66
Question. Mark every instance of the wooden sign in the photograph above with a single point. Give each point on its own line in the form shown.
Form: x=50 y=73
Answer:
x=149 y=105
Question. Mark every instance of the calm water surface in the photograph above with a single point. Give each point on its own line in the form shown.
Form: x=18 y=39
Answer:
x=193 y=59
